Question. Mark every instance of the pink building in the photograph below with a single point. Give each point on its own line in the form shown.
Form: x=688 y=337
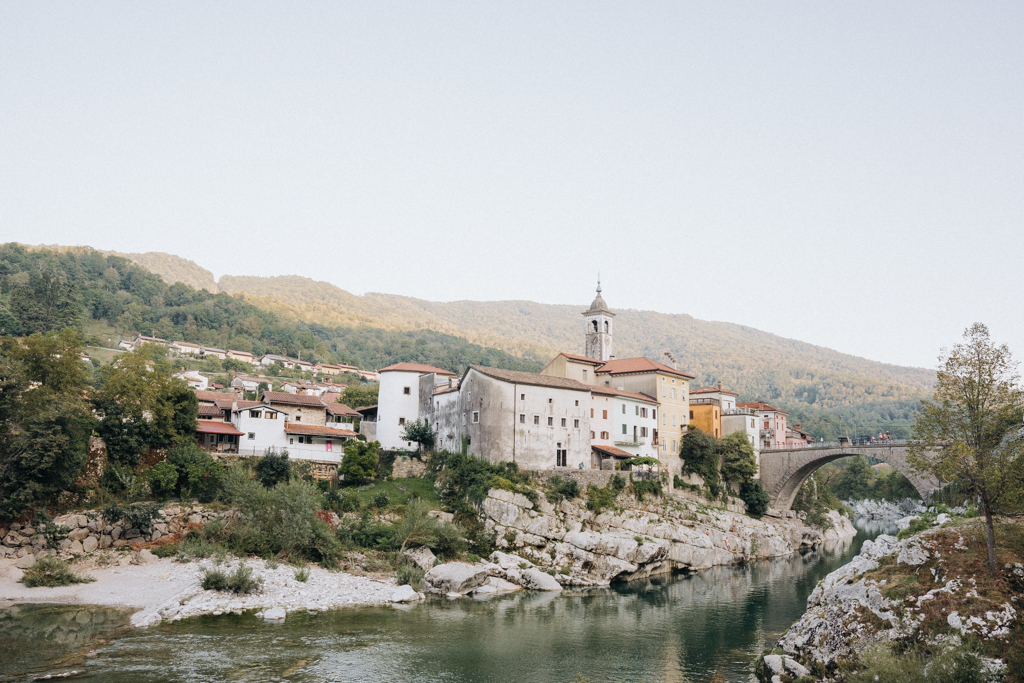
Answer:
x=772 y=423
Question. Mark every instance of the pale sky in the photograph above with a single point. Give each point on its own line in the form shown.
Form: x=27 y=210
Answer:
x=847 y=174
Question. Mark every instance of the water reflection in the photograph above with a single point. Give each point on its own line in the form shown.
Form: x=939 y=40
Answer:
x=707 y=626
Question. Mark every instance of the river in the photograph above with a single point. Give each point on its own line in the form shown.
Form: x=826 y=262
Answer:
x=707 y=626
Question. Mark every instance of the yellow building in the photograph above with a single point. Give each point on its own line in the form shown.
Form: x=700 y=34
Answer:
x=708 y=405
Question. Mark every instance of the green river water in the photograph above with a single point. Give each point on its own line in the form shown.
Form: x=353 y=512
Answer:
x=706 y=626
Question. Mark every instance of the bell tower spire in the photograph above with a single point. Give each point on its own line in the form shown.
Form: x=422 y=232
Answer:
x=599 y=328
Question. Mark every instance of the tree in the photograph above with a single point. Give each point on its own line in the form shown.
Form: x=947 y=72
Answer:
x=699 y=452
x=47 y=302
x=970 y=430
x=44 y=421
x=273 y=468
x=358 y=397
x=417 y=526
x=420 y=432
x=738 y=463
x=359 y=462
x=854 y=481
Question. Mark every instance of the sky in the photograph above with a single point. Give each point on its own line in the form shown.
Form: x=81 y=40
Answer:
x=847 y=174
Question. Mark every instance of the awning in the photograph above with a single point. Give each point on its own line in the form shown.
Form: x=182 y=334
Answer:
x=612 y=451
x=217 y=428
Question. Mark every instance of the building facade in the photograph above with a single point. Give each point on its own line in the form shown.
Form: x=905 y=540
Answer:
x=399 y=400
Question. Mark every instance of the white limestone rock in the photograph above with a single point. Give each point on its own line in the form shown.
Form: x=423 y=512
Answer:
x=454 y=577
x=421 y=557
x=275 y=614
x=536 y=580
x=405 y=593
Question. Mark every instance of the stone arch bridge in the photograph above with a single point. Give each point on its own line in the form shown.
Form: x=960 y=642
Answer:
x=784 y=470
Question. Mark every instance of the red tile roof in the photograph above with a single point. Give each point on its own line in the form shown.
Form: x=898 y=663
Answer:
x=340 y=409
x=608 y=391
x=245 y=405
x=582 y=359
x=713 y=390
x=612 y=451
x=317 y=430
x=292 y=399
x=214 y=396
x=210 y=411
x=632 y=366
x=415 y=367
x=761 y=405
x=217 y=428
x=530 y=378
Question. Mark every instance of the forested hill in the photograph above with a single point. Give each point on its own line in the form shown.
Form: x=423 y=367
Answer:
x=830 y=392
x=45 y=290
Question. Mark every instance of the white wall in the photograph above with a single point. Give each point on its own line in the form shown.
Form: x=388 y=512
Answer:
x=393 y=404
x=629 y=414
x=268 y=433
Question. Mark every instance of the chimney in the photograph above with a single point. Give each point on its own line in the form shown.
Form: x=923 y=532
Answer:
x=669 y=360
x=719 y=386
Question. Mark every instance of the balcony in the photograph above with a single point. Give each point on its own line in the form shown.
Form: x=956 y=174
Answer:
x=767 y=433
x=705 y=402
x=633 y=444
x=740 y=411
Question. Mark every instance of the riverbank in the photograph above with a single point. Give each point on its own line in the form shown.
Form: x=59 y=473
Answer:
x=927 y=595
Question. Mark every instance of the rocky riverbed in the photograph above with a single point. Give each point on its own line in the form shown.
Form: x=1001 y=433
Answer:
x=885 y=510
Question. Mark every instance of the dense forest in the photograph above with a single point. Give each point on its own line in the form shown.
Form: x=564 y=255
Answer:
x=43 y=291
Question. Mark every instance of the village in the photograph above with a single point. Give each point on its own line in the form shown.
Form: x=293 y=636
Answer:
x=589 y=411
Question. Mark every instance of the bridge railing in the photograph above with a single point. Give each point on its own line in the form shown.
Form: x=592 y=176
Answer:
x=852 y=443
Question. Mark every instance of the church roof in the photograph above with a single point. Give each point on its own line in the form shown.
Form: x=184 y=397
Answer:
x=599 y=306
x=630 y=366
x=518 y=377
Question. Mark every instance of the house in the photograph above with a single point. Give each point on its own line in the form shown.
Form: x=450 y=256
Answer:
x=209 y=351
x=797 y=438
x=139 y=340
x=214 y=431
x=400 y=398
x=340 y=415
x=622 y=422
x=249 y=384
x=536 y=421
x=771 y=424
x=571 y=366
x=300 y=408
x=327 y=369
x=368 y=375
x=186 y=348
x=243 y=356
x=194 y=379
x=368 y=422
x=270 y=359
x=708 y=405
x=262 y=428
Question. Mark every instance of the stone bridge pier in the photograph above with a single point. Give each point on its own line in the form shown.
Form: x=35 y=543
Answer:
x=783 y=471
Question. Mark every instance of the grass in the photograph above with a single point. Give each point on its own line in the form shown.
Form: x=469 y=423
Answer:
x=50 y=572
x=398 y=493
x=410 y=574
x=301 y=574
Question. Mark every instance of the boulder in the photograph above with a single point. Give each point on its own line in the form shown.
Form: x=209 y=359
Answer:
x=508 y=561
x=912 y=553
x=76 y=548
x=421 y=557
x=405 y=593
x=536 y=580
x=454 y=577
x=90 y=544
x=115 y=532
x=79 y=534
x=25 y=562
x=146 y=557
x=275 y=614
x=105 y=542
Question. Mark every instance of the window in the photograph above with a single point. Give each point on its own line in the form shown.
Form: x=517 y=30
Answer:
x=673 y=419
x=624 y=429
x=536 y=419
x=476 y=416
x=636 y=409
x=291 y=441
x=575 y=424
x=674 y=395
x=551 y=400
x=522 y=419
x=604 y=414
x=654 y=414
x=604 y=435
x=643 y=432
x=551 y=422
x=401 y=420
x=522 y=397
x=270 y=415
x=561 y=456
x=252 y=436
x=664 y=419
x=298 y=418
x=591 y=413
x=675 y=446
x=406 y=390
x=563 y=421
x=577 y=404
x=643 y=412
x=751 y=423
x=592 y=435
x=584 y=375
x=691 y=414
x=623 y=408
x=254 y=413
x=766 y=423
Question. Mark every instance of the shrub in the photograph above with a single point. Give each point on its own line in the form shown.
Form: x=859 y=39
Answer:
x=417 y=526
x=756 y=498
x=368 y=534
x=699 y=451
x=53 y=533
x=135 y=516
x=359 y=462
x=916 y=526
x=463 y=481
x=381 y=499
x=561 y=488
x=301 y=574
x=409 y=573
x=198 y=547
x=199 y=474
x=239 y=581
x=449 y=543
x=598 y=499
x=643 y=487
x=163 y=480
x=273 y=468
x=49 y=571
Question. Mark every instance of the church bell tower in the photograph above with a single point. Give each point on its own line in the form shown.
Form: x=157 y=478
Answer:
x=599 y=328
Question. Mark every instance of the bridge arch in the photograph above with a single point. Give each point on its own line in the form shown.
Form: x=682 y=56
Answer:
x=783 y=472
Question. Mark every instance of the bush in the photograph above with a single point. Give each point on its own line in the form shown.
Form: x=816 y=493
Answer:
x=273 y=468
x=359 y=462
x=163 y=480
x=409 y=573
x=916 y=526
x=135 y=516
x=879 y=664
x=756 y=498
x=643 y=487
x=448 y=543
x=463 y=481
x=49 y=572
x=239 y=581
x=53 y=533
x=197 y=546
x=599 y=499
x=561 y=488
x=301 y=574
x=381 y=499
x=368 y=534
x=199 y=474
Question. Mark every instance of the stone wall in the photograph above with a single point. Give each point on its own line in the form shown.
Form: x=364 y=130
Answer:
x=405 y=467
x=599 y=478
x=88 y=532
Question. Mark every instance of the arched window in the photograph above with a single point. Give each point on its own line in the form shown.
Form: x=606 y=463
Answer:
x=606 y=326
x=595 y=326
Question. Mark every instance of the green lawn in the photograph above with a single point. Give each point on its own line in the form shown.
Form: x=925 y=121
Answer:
x=399 y=492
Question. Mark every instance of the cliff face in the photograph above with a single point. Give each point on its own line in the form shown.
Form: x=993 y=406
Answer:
x=640 y=538
x=931 y=590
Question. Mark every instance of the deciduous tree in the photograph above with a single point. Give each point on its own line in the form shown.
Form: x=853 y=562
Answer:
x=970 y=430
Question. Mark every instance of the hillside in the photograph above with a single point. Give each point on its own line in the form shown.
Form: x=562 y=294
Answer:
x=172 y=269
x=829 y=392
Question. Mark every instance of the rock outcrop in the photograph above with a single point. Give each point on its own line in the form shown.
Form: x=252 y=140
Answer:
x=644 y=538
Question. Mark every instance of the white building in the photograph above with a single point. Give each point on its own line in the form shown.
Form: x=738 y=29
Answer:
x=249 y=384
x=399 y=400
x=209 y=351
x=194 y=380
x=622 y=422
x=536 y=421
x=186 y=348
x=270 y=359
x=264 y=427
x=243 y=356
